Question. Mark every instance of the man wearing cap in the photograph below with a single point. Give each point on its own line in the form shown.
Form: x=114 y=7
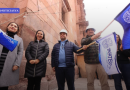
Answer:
x=92 y=61
x=62 y=61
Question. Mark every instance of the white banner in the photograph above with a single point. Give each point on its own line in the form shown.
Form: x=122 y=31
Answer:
x=108 y=54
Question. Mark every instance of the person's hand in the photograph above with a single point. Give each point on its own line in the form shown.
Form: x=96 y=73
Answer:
x=32 y=61
x=37 y=61
x=121 y=47
x=15 y=67
x=85 y=47
x=53 y=69
x=96 y=35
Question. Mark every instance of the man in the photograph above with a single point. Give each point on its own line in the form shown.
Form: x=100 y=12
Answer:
x=92 y=61
x=63 y=61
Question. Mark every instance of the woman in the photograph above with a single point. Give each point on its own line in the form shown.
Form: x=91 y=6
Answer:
x=124 y=66
x=10 y=61
x=36 y=54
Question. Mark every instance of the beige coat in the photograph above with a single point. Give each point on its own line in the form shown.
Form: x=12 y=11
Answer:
x=8 y=77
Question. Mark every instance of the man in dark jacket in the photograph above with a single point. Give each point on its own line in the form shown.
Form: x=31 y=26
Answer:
x=92 y=61
x=63 y=61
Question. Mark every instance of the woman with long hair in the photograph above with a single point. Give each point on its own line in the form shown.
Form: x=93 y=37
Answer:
x=36 y=54
x=124 y=66
x=10 y=60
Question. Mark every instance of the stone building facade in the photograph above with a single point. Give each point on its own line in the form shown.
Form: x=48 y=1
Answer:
x=50 y=16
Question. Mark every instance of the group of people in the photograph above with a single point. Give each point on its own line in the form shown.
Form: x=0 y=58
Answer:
x=62 y=61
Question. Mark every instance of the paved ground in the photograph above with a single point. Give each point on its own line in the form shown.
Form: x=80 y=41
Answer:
x=81 y=84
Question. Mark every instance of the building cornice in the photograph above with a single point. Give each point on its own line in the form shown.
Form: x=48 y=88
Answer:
x=83 y=23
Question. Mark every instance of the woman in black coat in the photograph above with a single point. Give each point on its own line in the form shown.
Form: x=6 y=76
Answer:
x=124 y=66
x=36 y=54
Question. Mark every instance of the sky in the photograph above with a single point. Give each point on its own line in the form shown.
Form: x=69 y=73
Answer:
x=99 y=13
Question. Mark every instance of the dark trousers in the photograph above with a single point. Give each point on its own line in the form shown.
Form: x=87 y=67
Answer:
x=117 y=81
x=125 y=71
x=34 y=83
x=67 y=73
x=3 y=88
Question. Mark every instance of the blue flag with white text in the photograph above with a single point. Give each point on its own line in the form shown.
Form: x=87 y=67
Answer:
x=124 y=19
x=7 y=41
x=108 y=53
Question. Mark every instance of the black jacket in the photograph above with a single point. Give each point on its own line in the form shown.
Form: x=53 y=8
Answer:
x=34 y=51
x=69 y=56
x=122 y=56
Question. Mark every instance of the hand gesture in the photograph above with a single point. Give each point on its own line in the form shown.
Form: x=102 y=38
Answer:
x=15 y=68
x=32 y=61
x=53 y=69
x=37 y=61
x=96 y=35
x=85 y=47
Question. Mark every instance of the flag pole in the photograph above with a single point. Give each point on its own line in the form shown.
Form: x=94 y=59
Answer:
x=107 y=26
x=95 y=41
x=87 y=45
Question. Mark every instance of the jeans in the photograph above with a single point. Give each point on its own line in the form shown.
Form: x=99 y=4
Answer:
x=63 y=73
x=117 y=81
x=125 y=71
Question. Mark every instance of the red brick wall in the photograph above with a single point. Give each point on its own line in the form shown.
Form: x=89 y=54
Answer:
x=48 y=19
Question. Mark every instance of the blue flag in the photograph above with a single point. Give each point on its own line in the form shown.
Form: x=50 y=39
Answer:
x=108 y=53
x=7 y=41
x=124 y=19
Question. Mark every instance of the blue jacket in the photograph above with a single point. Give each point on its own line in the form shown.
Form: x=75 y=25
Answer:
x=69 y=47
